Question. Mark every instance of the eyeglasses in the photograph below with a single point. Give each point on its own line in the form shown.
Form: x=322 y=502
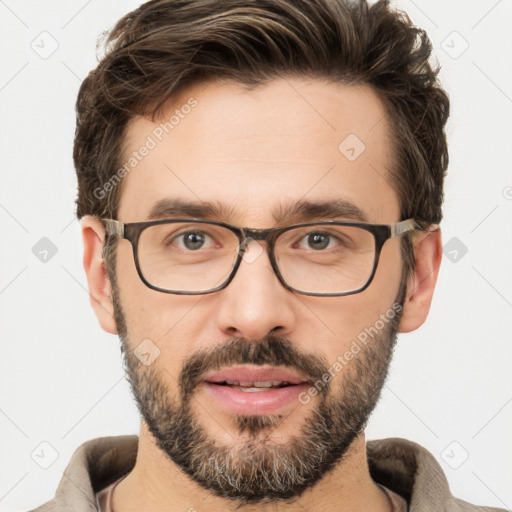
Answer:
x=195 y=256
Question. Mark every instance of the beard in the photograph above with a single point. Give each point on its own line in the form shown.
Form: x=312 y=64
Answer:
x=259 y=470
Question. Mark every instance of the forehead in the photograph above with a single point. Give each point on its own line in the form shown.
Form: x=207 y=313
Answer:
x=255 y=152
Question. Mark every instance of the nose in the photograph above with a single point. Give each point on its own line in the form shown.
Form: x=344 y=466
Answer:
x=255 y=303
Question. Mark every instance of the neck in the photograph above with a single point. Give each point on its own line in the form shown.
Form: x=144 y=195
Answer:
x=157 y=484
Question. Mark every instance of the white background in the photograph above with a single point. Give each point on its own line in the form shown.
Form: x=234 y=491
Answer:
x=62 y=382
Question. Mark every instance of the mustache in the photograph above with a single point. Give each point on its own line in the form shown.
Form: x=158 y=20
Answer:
x=272 y=350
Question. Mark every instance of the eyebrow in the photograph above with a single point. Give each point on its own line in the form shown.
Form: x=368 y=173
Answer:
x=290 y=213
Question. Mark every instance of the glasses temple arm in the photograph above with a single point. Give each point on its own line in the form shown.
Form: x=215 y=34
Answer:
x=114 y=227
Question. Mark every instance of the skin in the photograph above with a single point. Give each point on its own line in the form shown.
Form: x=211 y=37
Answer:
x=275 y=144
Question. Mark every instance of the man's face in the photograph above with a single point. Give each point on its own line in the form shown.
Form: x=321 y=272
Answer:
x=257 y=152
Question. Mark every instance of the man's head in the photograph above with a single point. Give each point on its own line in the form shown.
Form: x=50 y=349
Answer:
x=253 y=108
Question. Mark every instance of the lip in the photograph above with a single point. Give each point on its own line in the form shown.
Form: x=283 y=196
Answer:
x=254 y=374
x=255 y=402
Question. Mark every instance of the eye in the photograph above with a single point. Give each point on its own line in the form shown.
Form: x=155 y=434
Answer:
x=318 y=241
x=192 y=240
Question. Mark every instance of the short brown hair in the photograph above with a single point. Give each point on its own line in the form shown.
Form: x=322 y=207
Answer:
x=166 y=45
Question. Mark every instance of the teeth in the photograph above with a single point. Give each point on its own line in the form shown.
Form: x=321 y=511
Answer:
x=259 y=384
x=250 y=390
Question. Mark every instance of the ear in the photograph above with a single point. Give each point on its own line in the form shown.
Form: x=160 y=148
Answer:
x=100 y=291
x=428 y=252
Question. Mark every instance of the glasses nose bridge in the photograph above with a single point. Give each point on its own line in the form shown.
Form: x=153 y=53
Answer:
x=268 y=235
x=265 y=235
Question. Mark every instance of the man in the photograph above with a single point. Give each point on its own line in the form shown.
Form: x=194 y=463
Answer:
x=260 y=188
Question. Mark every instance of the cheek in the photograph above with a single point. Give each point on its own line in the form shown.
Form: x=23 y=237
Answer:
x=340 y=320
x=386 y=282
x=169 y=321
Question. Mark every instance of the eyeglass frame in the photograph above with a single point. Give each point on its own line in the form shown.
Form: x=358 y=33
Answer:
x=131 y=231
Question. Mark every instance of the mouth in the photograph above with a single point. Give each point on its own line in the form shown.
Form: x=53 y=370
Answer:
x=255 y=378
x=255 y=390
x=257 y=386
